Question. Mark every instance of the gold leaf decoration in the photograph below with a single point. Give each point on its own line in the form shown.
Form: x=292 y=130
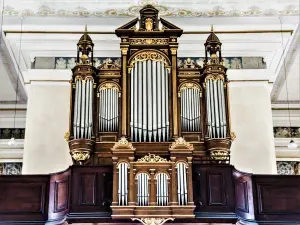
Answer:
x=151 y=158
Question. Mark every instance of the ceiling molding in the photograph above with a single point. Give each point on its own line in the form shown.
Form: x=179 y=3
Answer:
x=287 y=59
x=169 y=9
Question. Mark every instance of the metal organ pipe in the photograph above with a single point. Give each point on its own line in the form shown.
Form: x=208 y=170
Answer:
x=149 y=117
x=162 y=189
x=190 y=108
x=123 y=184
x=83 y=113
x=108 y=107
x=216 y=108
x=143 y=189
x=182 y=183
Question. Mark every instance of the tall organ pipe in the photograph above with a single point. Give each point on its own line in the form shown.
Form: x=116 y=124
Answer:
x=149 y=117
x=83 y=109
x=216 y=108
x=182 y=183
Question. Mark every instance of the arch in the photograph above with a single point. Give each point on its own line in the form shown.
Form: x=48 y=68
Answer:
x=109 y=84
x=189 y=84
x=123 y=161
x=149 y=54
x=162 y=172
x=142 y=172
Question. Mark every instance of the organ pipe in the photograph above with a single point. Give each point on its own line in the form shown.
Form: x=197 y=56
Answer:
x=162 y=189
x=190 y=107
x=123 y=184
x=182 y=183
x=109 y=108
x=216 y=108
x=149 y=117
x=83 y=119
x=143 y=189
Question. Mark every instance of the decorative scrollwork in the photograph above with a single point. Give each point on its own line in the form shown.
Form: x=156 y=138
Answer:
x=123 y=143
x=214 y=77
x=219 y=155
x=151 y=158
x=148 y=41
x=108 y=64
x=188 y=85
x=109 y=85
x=153 y=221
x=181 y=143
x=80 y=156
x=148 y=55
x=188 y=63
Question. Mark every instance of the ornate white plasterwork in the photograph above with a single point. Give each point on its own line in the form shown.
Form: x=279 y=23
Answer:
x=167 y=9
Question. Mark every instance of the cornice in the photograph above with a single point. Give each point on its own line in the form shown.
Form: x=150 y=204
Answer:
x=174 y=10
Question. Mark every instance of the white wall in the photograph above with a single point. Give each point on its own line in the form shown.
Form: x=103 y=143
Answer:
x=45 y=150
x=251 y=119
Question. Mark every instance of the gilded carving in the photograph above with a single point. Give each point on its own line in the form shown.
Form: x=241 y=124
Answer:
x=188 y=85
x=153 y=221
x=145 y=41
x=188 y=63
x=67 y=136
x=80 y=156
x=181 y=143
x=219 y=155
x=109 y=85
x=151 y=158
x=149 y=24
x=148 y=55
x=123 y=143
x=109 y=64
x=232 y=136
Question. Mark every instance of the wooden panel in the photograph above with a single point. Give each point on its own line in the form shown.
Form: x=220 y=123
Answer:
x=24 y=198
x=216 y=195
x=243 y=195
x=242 y=203
x=91 y=189
x=30 y=198
x=214 y=192
x=276 y=197
x=287 y=199
x=59 y=195
x=87 y=189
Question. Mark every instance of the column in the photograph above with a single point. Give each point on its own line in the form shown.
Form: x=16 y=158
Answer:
x=124 y=92
x=45 y=149
x=131 y=186
x=174 y=183
x=115 y=199
x=152 y=188
x=251 y=120
x=190 y=181
x=174 y=92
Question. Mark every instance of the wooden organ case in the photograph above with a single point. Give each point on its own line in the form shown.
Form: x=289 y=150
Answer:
x=149 y=118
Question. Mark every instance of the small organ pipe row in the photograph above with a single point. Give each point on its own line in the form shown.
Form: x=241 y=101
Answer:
x=149 y=94
x=83 y=114
x=190 y=110
x=182 y=183
x=123 y=184
x=162 y=189
x=108 y=110
x=143 y=189
x=216 y=108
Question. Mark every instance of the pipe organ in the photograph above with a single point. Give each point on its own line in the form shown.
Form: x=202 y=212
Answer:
x=150 y=117
x=149 y=100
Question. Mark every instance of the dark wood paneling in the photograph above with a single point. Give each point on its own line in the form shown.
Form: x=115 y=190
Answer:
x=23 y=198
x=276 y=197
x=243 y=195
x=91 y=189
x=59 y=195
x=214 y=192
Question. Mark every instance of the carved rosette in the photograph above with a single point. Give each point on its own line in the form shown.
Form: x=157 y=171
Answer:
x=153 y=221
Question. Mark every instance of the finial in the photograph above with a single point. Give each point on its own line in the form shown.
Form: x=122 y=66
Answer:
x=85 y=28
x=212 y=28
